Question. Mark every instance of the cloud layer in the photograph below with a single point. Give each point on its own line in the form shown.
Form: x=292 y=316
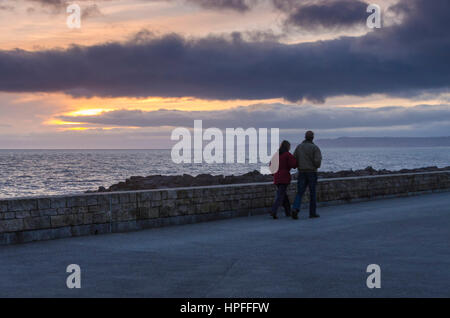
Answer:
x=327 y=14
x=237 y=5
x=402 y=59
x=277 y=116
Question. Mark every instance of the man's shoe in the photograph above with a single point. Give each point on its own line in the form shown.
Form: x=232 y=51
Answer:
x=288 y=213
x=312 y=216
x=294 y=214
x=274 y=216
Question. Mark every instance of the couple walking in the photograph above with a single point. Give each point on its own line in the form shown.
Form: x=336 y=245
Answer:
x=307 y=159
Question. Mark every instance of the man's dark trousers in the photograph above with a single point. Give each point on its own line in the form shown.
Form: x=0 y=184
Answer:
x=306 y=179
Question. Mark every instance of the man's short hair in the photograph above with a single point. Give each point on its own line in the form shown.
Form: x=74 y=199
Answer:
x=309 y=135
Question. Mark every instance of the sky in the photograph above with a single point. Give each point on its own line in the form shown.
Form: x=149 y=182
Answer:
x=137 y=69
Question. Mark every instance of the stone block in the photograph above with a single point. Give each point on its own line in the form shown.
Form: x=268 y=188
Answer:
x=81 y=230
x=198 y=193
x=132 y=197
x=144 y=196
x=204 y=208
x=148 y=213
x=257 y=203
x=44 y=203
x=34 y=223
x=35 y=213
x=22 y=205
x=147 y=223
x=156 y=204
x=124 y=226
x=156 y=196
x=123 y=215
x=58 y=203
x=11 y=225
x=101 y=228
x=93 y=209
x=124 y=198
x=103 y=199
x=76 y=201
x=181 y=194
x=61 y=232
x=88 y=218
x=3 y=206
x=225 y=206
x=144 y=204
x=100 y=218
x=8 y=215
x=244 y=204
x=22 y=214
x=166 y=211
x=114 y=199
x=80 y=209
x=214 y=207
x=62 y=211
x=37 y=235
x=91 y=200
x=59 y=220
x=66 y=220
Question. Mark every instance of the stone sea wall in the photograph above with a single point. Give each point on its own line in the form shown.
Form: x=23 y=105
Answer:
x=44 y=218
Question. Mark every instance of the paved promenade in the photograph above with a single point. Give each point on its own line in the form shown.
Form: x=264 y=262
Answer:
x=252 y=257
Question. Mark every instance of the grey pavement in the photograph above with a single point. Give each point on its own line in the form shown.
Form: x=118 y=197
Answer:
x=252 y=256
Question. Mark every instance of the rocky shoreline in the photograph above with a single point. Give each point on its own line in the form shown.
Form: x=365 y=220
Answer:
x=163 y=182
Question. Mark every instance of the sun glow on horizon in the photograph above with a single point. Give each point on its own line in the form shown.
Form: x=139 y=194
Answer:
x=58 y=122
x=89 y=112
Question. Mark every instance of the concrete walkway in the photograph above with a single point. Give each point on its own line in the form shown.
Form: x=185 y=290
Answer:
x=252 y=257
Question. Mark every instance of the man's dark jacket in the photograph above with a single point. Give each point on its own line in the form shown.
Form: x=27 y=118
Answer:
x=308 y=156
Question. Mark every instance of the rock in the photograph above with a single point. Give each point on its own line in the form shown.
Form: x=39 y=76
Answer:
x=160 y=182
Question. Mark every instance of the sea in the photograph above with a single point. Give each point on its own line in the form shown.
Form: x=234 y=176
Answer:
x=26 y=173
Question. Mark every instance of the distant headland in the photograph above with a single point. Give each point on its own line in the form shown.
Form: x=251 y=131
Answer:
x=385 y=142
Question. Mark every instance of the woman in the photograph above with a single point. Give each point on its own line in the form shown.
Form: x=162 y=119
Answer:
x=282 y=178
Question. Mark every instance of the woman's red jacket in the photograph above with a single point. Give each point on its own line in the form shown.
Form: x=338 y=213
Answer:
x=287 y=162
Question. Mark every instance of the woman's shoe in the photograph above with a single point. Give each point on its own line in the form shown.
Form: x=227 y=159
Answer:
x=294 y=214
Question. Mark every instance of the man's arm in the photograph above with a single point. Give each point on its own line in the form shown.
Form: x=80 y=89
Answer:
x=296 y=153
x=317 y=157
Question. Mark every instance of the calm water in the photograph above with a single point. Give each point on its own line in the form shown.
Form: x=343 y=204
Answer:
x=44 y=172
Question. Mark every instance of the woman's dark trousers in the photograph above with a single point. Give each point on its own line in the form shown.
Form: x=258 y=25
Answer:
x=281 y=199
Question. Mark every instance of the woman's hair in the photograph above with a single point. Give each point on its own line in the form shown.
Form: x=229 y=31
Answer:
x=284 y=147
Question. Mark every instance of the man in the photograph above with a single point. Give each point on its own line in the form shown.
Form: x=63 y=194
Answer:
x=309 y=159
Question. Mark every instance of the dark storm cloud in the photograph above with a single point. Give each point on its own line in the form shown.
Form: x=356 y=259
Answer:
x=310 y=15
x=90 y=11
x=276 y=115
x=50 y=2
x=60 y=6
x=56 y=5
x=328 y=14
x=403 y=59
x=237 y=5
